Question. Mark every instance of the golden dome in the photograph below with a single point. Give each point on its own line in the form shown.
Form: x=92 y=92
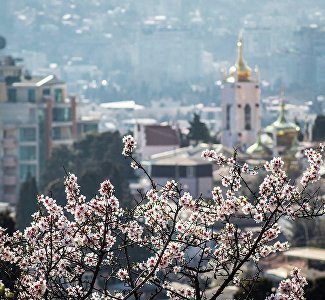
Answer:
x=240 y=70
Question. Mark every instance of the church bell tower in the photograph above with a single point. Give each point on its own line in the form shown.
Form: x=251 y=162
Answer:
x=240 y=103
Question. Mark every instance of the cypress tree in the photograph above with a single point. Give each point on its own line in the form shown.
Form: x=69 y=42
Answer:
x=27 y=203
x=198 y=130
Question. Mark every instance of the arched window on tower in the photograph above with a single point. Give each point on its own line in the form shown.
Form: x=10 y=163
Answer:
x=228 y=116
x=248 y=117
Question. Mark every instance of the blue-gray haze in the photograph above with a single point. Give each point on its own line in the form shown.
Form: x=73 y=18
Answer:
x=148 y=49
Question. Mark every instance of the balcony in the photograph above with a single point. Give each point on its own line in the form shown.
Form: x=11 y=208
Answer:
x=9 y=180
x=9 y=142
x=9 y=161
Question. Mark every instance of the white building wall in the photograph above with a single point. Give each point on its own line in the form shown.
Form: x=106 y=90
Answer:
x=147 y=151
x=195 y=186
x=205 y=186
x=238 y=95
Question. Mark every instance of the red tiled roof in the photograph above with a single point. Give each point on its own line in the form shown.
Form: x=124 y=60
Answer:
x=157 y=135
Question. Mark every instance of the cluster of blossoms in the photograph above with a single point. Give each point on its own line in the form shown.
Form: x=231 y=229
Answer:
x=315 y=161
x=291 y=288
x=129 y=145
x=56 y=251
x=212 y=155
x=67 y=251
x=179 y=293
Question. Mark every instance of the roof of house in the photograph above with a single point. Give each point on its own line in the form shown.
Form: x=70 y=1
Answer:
x=180 y=161
x=186 y=156
x=307 y=253
x=157 y=135
x=38 y=81
x=128 y=104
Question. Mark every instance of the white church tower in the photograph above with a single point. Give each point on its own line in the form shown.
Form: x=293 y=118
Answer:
x=240 y=103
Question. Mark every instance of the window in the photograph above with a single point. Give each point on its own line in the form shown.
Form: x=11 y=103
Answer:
x=46 y=92
x=163 y=171
x=31 y=95
x=61 y=133
x=27 y=134
x=211 y=115
x=25 y=170
x=90 y=128
x=248 y=117
x=12 y=95
x=58 y=95
x=87 y=128
x=56 y=133
x=27 y=153
x=41 y=115
x=204 y=171
x=190 y=171
x=62 y=114
x=228 y=116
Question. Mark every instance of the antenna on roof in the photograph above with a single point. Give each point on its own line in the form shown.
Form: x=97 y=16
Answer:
x=27 y=75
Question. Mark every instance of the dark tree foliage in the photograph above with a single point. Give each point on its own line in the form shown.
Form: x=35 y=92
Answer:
x=198 y=130
x=8 y=273
x=7 y=221
x=93 y=159
x=300 y=134
x=318 y=129
x=184 y=142
x=27 y=203
x=258 y=291
x=315 y=289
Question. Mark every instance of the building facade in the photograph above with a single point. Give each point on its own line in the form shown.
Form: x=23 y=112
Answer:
x=186 y=166
x=310 y=45
x=35 y=117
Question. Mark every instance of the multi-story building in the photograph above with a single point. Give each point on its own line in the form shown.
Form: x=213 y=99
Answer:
x=186 y=166
x=310 y=44
x=35 y=117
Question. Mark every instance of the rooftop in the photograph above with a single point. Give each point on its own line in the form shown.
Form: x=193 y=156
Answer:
x=187 y=156
x=307 y=253
x=37 y=81
x=157 y=135
x=180 y=161
x=128 y=104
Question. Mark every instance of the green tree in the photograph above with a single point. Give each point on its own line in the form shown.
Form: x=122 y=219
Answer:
x=198 y=130
x=93 y=159
x=300 y=136
x=27 y=202
x=315 y=289
x=318 y=129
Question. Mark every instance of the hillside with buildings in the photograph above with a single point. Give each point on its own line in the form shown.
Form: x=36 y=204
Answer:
x=146 y=51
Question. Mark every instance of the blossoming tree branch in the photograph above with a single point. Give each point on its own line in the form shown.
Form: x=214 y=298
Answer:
x=84 y=250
